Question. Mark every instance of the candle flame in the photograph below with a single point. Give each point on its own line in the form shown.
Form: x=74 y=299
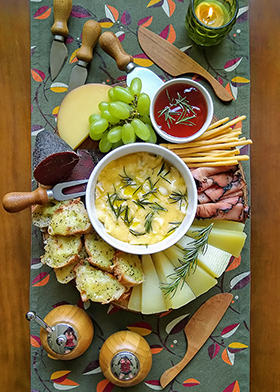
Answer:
x=210 y=13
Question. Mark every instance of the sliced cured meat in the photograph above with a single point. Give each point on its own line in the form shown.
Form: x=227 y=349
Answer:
x=201 y=173
x=231 y=209
x=215 y=192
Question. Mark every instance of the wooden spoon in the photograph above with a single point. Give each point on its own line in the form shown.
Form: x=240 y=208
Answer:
x=198 y=330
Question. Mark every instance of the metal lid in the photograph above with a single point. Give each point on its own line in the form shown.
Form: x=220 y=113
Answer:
x=125 y=365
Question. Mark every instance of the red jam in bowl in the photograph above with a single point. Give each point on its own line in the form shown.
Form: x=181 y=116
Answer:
x=180 y=110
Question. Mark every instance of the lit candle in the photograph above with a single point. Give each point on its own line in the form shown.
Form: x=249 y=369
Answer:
x=212 y=13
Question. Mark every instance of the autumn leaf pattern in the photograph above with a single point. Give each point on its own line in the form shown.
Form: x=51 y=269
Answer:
x=226 y=351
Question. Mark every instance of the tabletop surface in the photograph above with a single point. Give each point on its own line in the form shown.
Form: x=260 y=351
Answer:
x=15 y=159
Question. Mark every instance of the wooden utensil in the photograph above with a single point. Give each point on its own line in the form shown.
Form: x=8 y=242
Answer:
x=198 y=330
x=175 y=62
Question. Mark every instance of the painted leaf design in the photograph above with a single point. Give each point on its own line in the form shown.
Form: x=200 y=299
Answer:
x=59 y=87
x=69 y=39
x=232 y=64
x=92 y=366
x=126 y=18
x=228 y=357
x=227 y=87
x=38 y=75
x=156 y=348
x=240 y=281
x=233 y=387
x=42 y=13
x=145 y=21
x=112 y=309
x=177 y=324
x=142 y=60
x=168 y=7
x=213 y=350
x=242 y=15
x=155 y=3
x=55 y=110
x=168 y=33
x=234 y=91
x=32 y=50
x=104 y=386
x=120 y=35
x=60 y=376
x=230 y=330
x=111 y=13
x=238 y=81
x=73 y=57
x=105 y=23
x=36 y=263
x=165 y=313
x=191 y=382
x=35 y=341
x=79 y=12
x=235 y=347
x=41 y=279
x=65 y=387
x=142 y=328
x=154 y=384
x=233 y=263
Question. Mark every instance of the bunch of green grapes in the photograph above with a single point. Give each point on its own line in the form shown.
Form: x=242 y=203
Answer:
x=123 y=119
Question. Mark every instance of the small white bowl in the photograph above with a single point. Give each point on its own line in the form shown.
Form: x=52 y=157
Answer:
x=174 y=160
x=209 y=104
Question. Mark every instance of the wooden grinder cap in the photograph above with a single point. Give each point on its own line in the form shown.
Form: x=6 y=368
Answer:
x=125 y=358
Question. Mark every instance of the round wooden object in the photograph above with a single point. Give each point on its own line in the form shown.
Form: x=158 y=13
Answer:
x=125 y=358
x=76 y=318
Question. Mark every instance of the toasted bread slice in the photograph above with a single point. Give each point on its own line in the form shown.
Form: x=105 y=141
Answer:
x=70 y=219
x=66 y=274
x=97 y=285
x=128 y=268
x=61 y=251
x=101 y=254
x=42 y=214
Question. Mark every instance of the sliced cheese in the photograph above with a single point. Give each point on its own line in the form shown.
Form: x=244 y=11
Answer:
x=220 y=224
x=134 y=303
x=75 y=109
x=199 y=280
x=230 y=241
x=152 y=295
x=165 y=268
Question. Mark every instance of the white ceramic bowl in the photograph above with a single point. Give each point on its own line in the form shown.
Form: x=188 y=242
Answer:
x=209 y=105
x=174 y=160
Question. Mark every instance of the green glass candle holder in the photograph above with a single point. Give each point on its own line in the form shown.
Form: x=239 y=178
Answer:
x=208 y=22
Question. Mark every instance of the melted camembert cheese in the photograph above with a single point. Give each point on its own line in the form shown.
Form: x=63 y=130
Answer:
x=140 y=198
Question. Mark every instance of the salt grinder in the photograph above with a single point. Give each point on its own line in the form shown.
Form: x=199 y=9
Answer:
x=66 y=332
x=125 y=358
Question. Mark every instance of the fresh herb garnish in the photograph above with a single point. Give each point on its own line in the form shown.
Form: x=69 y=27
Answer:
x=178 y=107
x=178 y=197
x=189 y=261
x=126 y=179
x=174 y=227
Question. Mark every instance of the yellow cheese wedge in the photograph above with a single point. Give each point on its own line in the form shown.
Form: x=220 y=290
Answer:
x=134 y=303
x=165 y=268
x=230 y=241
x=152 y=295
x=199 y=280
x=220 y=224
x=75 y=109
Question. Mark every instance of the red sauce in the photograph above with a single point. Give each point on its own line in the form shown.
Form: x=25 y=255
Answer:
x=179 y=126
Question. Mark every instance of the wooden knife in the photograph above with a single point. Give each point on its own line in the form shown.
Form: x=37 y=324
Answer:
x=198 y=330
x=175 y=62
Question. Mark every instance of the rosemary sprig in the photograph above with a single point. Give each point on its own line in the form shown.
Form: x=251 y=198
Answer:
x=174 y=227
x=189 y=262
x=126 y=179
x=178 y=197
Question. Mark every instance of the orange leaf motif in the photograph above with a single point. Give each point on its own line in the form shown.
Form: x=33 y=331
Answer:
x=234 y=264
x=229 y=90
x=104 y=386
x=225 y=357
x=170 y=8
x=35 y=341
x=190 y=382
x=114 y=12
x=37 y=75
x=45 y=15
x=73 y=58
x=172 y=35
x=156 y=350
x=60 y=376
x=43 y=282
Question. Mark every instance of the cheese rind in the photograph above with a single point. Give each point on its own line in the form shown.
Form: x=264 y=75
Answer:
x=73 y=115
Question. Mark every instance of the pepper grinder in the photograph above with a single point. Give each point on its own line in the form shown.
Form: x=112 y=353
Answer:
x=66 y=332
x=125 y=358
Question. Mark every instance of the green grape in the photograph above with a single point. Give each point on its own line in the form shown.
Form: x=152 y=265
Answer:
x=98 y=126
x=122 y=94
x=128 y=134
x=108 y=116
x=119 y=110
x=111 y=95
x=118 y=144
x=95 y=136
x=146 y=119
x=153 y=135
x=140 y=129
x=135 y=86
x=103 y=106
x=93 y=117
x=143 y=104
x=115 y=134
x=104 y=144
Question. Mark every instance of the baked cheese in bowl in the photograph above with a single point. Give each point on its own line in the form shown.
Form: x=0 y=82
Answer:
x=141 y=198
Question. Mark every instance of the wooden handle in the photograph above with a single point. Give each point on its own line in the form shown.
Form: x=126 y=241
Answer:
x=91 y=33
x=62 y=11
x=219 y=90
x=18 y=201
x=110 y=43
